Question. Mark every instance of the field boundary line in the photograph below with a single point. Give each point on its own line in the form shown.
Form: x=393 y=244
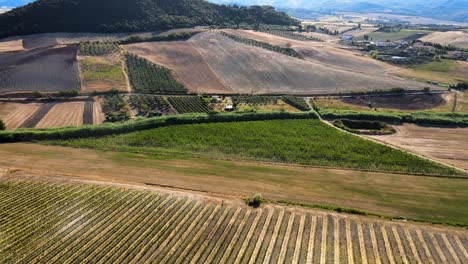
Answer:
x=310 y=247
x=271 y=246
x=401 y=249
x=412 y=246
x=259 y=243
x=235 y=237
x=450 y=248
x=323 y=245
x=336 y=240
x=388 y=247
x=424 y=244
x=248 y=237
x=375 y=246
x=297 y=248
x=284 y=246
x=349 y=242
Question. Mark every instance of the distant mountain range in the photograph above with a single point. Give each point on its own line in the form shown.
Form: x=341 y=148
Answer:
x=455 y=10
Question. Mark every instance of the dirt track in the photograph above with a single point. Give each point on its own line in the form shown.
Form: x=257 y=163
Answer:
x=447 y=145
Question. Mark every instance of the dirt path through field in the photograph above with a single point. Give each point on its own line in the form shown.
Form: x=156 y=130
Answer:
x=376 y=192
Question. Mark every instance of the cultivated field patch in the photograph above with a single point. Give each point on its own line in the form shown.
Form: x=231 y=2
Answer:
x=101 y=74
x=17 y=114
x=11 y=45
x=455 y=38
x=92 y=223
x=46 y=70
x=62 y=115
x=444 y=71
x=181 y=57
x=307 y=142
x=445 y=144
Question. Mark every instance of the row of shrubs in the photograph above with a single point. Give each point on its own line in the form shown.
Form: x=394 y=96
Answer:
x=364 y=127
x=143 y=124
x=427 y=118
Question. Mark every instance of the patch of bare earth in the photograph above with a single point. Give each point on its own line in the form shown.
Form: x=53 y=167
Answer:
x=46 y=70
x=18 y=114
x=447 y=145
x=11 y=45
x=399 y=102
x=455 y=38
x=62 y=115
x=190 y=67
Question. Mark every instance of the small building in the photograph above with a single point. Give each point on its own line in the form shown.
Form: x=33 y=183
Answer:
x=347 y=37
x=229 y=108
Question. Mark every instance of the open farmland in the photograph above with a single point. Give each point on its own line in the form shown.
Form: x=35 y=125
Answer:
x=102 y=74
x=47 y=70
x=444 y=71
x=248 y=69
x=307 y=142
x=406 y=34
x=448 y=145
x=191 y=69
x=455 y=38
x=90 y=223
x=45 y=115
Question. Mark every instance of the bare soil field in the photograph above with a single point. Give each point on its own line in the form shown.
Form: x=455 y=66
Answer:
x=248 y=69
x=101 y=74
x=447 y=145
x=399 y=102
x=63 y=114
x=12 y=45
x=91 y=222
x=14 y=115
x=321 y=36
x=391 y=194
x=455 y=38
x=46 y=70
x=98 y=115
x=183 y=58
x=327 y=54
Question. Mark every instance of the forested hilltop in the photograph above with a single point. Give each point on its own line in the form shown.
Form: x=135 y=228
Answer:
x=130 y=16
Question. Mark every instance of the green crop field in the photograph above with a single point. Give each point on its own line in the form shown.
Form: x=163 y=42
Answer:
x=307 y=142
x=68 y=222
x=399 y=35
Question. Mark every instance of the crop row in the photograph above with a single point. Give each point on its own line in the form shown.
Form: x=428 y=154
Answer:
x=116 y=108
x=251 y=42
x=255 y=100
x=79 y=223
x=189 y=104
x=149 y=105
x=98 y=48
x=147 y=77
x=297 y=102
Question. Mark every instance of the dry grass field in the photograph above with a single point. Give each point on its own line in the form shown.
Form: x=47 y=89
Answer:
x=101 y=74
x=191 y=68
x=447 y=145
x=445 y=72
x=75 y=222
x=62 y=115
x=47 y=70
x=455 y=38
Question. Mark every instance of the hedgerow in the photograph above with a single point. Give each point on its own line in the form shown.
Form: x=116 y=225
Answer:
x=364 y=127
x=297 y=102
x=143 y=124
x=98 y=48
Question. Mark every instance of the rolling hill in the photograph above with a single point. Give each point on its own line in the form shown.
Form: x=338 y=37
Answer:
x=129 y=16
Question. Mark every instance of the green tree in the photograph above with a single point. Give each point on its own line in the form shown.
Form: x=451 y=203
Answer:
x=2 y=125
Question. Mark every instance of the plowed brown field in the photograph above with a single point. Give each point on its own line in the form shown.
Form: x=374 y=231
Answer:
x=46 y=70
x=18 y=114
x=447 y=145
x=192 y=70
x=64 y=114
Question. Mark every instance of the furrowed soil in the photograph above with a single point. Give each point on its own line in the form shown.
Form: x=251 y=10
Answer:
x=46 y=70
x=16 y=114
x=62 y=115
x=11 y=45
x=447 y=145
x=436 y=199
x=85 y=220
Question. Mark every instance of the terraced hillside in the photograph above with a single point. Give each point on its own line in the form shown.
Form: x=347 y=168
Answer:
x=71 y=222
